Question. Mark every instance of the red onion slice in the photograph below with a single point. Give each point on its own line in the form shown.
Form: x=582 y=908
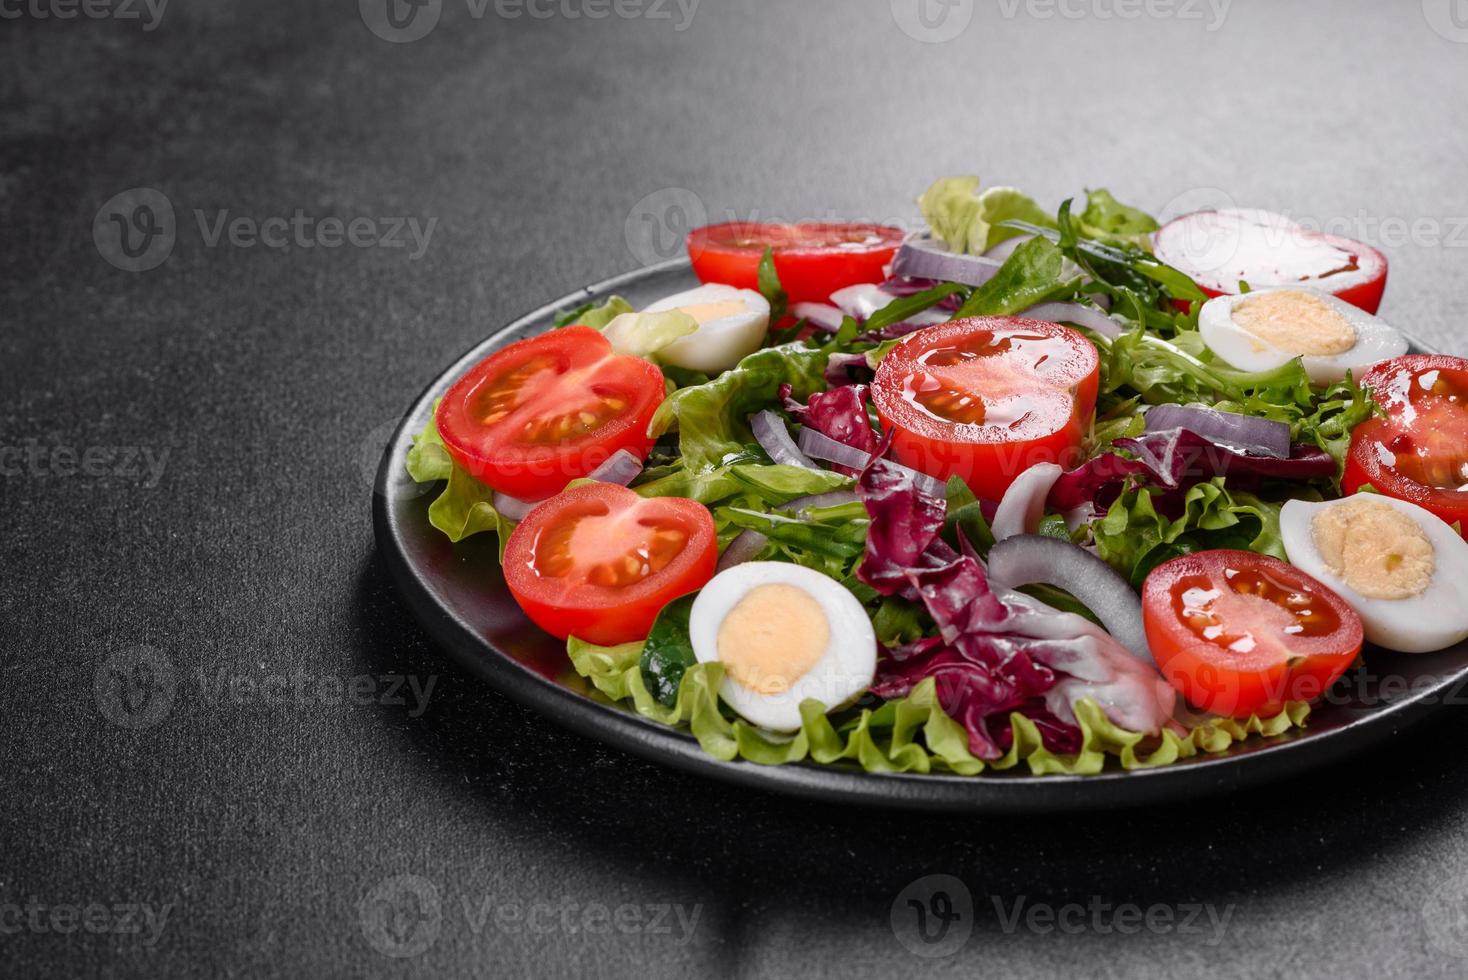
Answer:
x=1031 y=560
x=1082 y=316
x=1001 y=252
x=862 y=300
x=820 y=446
x=926 y=258
x=1024 y=502
x=743 y=548
x=620 y=468
x=822 y=316
x=1229 y=429
x=769 y=430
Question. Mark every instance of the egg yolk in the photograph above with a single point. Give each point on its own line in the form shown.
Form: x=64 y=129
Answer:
x=1297 y=323
x=1375 y=549
x=707 y=312
x=773 y=637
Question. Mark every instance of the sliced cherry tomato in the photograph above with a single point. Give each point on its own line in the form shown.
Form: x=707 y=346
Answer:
x=598 y=562
x=813 y=259
x=1220 y=249
x=545 y=411
x=1239 y=634
x=1419 y=452
x=985 y=399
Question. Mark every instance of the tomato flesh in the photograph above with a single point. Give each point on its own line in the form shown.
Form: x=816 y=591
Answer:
x=813 y=259
x=1220 y=249
x=598 y=562
x=543 y=412
x=985 y=399
x=1240 y=634
x=1419 y=452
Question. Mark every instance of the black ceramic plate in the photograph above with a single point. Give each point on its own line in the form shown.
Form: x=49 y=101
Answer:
x=459 y=596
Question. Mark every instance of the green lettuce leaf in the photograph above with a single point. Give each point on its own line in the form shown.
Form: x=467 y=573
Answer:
x=711 y=418
x=911 y=735
x=594 y=316
x=1107 y=219
x=968 y=219
x=644 y=334
x=1034 y=274
x=1134 y=538
x=466 y=506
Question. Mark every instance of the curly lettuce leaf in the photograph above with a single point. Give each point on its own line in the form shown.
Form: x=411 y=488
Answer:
x=644 y=334
x=1107 y=219
x=595 y=316
x=712 y=418
x=968 y=220
x=1134 y=537
x=466 y=506
x=910 y=735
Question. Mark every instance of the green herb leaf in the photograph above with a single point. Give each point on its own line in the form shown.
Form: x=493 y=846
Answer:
x=668 y=652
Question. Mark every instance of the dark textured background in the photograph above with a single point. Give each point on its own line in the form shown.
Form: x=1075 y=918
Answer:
x=262 y=819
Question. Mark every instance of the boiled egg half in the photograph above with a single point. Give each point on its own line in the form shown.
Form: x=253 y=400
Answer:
x=1400 y=567
x=732 y=324
x=1268 y=328
x=785 y=634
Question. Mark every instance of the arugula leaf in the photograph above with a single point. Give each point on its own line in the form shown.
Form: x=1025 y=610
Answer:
x=770 y=287
x=1032 y=275
x=711 y=418
x=668 y=652
x=594 y=316
x=905 y=308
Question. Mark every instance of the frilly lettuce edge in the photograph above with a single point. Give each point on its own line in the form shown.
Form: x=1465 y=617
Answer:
x=911 y=735
x=465 y=507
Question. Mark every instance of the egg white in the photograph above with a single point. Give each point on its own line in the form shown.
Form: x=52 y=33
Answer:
x=843 y=672
x=1434 y=620
x=1376 y=340
x=719 y=344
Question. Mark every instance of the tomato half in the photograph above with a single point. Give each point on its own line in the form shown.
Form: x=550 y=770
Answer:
x=813 y=259
x=545 y=411
x=1220 y=249
x=1419 y=452
x=1238 y=633
x=985 y=399
x=598 y=562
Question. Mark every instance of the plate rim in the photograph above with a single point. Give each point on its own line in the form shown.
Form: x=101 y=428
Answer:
x=1011 y=792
